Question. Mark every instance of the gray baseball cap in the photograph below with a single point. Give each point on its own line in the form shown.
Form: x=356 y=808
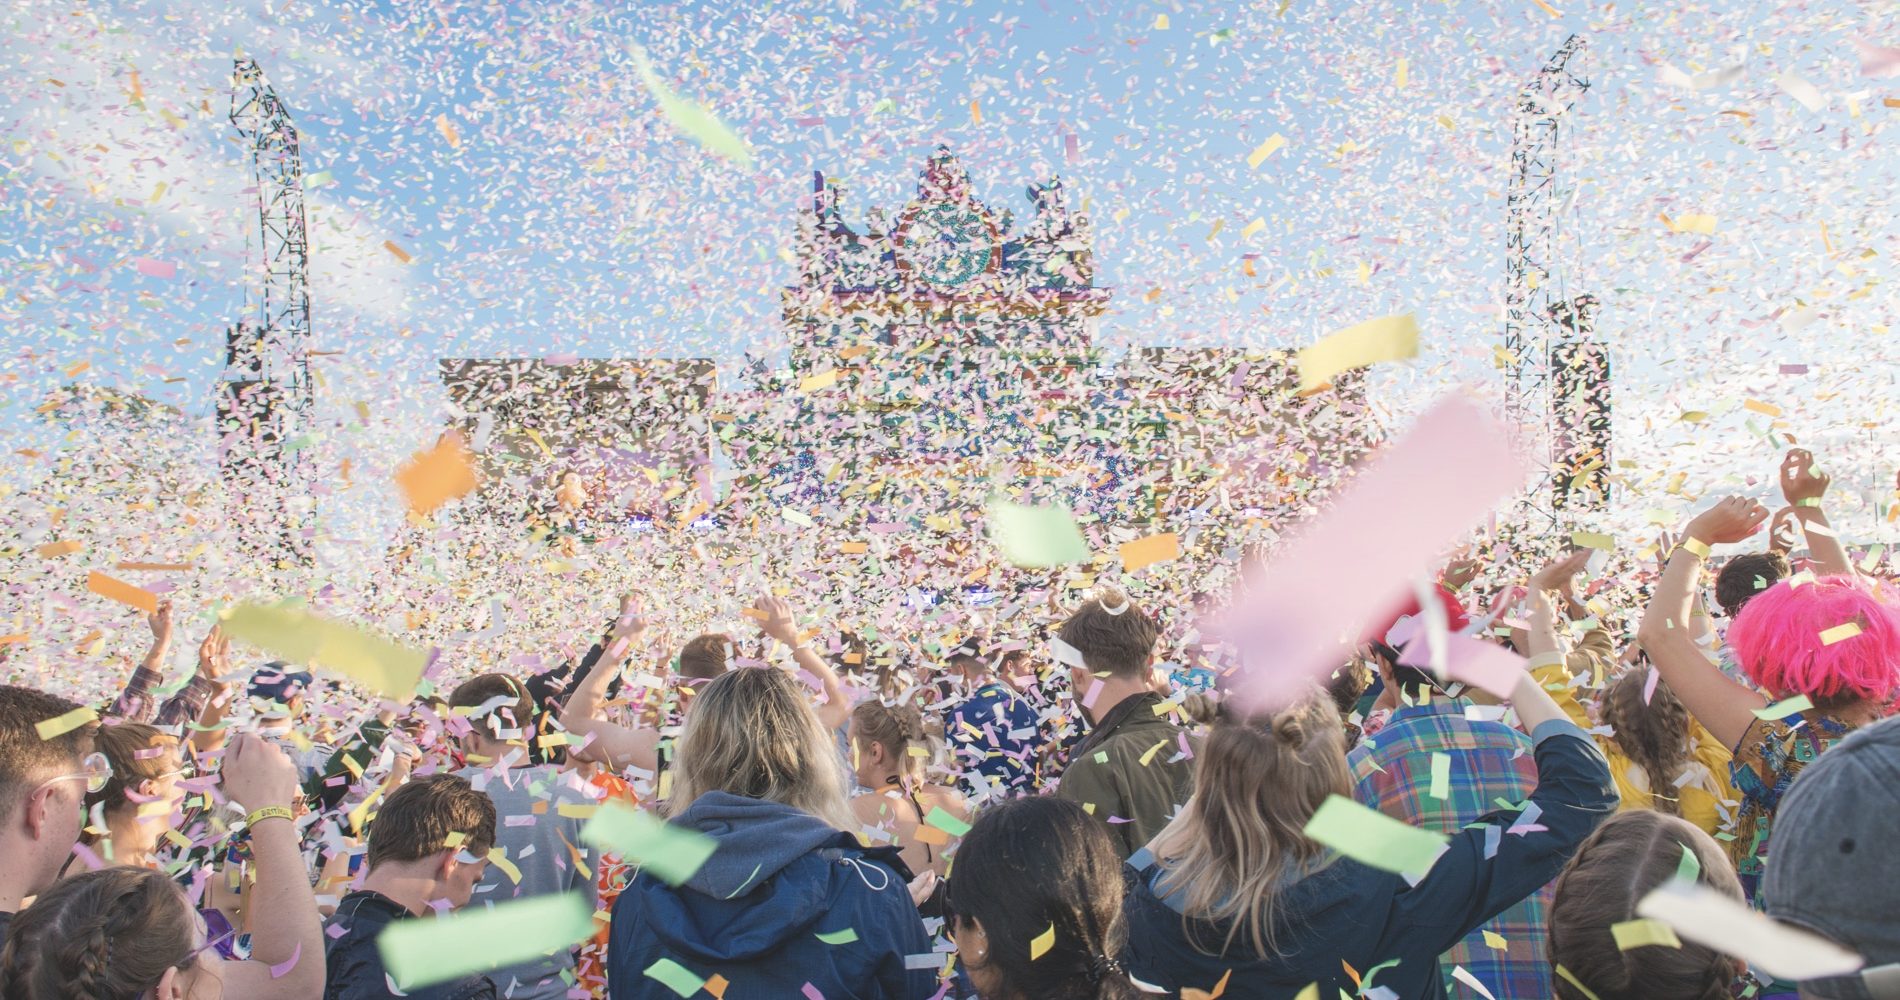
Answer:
x=1831 y=864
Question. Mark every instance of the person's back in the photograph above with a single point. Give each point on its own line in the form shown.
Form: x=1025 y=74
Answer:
x=1135 y=768
x=411 y=870
x=1435 y=769
x=538 y=847
x=788 y=902
x=994 y=731
x=888 y=745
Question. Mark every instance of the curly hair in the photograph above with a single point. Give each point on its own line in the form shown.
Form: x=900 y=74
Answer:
x=102 y=935
x=1654 y=735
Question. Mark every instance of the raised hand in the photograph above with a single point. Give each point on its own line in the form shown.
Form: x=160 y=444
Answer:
x=214 y=655
x=161 y=622
x=1800 y=479
x=1784 y=531
x=1561 y=574
x=1732 y=519
x=775 y=619
x=257 y=774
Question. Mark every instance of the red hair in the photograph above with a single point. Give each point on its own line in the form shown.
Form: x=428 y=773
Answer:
x=1778 y=640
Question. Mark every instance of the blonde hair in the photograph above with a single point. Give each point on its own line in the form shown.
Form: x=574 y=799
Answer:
x=1240 y=840
x=753 y=732
x=897 y=728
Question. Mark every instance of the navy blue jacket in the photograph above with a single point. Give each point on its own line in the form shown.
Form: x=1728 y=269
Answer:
x=753 y=913
x=355 y=968
x=1368 y=917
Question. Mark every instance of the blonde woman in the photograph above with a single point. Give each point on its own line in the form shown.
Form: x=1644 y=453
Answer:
x=788 y=901
x=889 y=749
x=1240 y=899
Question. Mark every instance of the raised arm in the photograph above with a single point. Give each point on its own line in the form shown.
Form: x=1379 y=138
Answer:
x=214 y=665
x=134 y=704
x=1723 y=706
x=776 y=620
x=1803 y=485
x=610 y=743
x=1548 y=667
x=286 y=930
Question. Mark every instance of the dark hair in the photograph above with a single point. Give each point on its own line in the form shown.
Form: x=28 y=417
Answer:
x=1113 y=635
x=25 y=759
x=123 y=744
x=1746 y=575
x=1627 y=857
x=1655 y=735
x=1346 y=686
x=704 y=656
x=478 y=690
x=100 y=935
x=1035 y=864
x=421 y=817
x=1409 y=679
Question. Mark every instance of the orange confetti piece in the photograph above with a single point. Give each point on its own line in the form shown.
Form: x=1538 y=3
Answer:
x=449 y=135
x=398 y=252
x=976 y=113
x=53 y=550
x=14 y=639
x=434 y=477
x=123 y=592
x=1148 y=551
x=1548 y=9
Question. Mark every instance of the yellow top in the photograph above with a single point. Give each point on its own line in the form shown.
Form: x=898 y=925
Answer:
x=1706 y=799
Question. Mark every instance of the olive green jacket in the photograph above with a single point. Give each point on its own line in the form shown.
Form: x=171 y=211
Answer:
x=1130 y=772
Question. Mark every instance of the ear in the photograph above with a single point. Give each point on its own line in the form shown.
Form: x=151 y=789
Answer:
x=168 y=988
x=37 y=810
x=444 y=864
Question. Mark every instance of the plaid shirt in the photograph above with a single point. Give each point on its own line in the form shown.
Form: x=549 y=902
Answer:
x=1491 y=763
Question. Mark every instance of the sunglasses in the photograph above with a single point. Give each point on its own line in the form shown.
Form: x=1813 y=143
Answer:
x=97 y=772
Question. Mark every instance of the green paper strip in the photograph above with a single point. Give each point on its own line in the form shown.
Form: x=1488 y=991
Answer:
x=426 y=951
x=689 y=117
x=946 y=822
x=1372 y=838
x=1689 y=869
x=671 y=853
x=845 y=936
x=391 y=668
x=1036 y=537
x=1782 y=709
x=676 y=977
x=1441 y=776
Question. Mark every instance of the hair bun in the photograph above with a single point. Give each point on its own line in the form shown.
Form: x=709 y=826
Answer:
x=1289 y=731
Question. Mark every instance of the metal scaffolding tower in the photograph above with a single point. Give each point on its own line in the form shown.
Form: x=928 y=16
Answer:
x=265 y=406
x=1546 y=333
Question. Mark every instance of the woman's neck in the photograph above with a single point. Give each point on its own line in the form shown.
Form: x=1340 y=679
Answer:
x=133 y=841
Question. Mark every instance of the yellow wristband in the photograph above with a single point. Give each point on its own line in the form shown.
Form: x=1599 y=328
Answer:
x=1808 y=502
x=269 y=812
x=1695 y=545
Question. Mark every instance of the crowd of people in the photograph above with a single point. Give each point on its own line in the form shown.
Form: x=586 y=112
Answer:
x=1025 y=816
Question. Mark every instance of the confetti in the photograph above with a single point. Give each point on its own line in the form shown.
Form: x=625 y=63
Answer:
x=1374 y=839
x=60 y=725
x=1036 y=536
x=433 y=477
x=1041 y=943
x=698 y=123
x=1274 y=144
x=672 y=854
x=1389 y=338
x=1708 y=918
x=1144 y=552
x=301 y=637
x=477 y=939
x=123 y=592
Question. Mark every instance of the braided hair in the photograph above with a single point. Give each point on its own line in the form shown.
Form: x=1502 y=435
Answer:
x=1627 y=857
x=103 y=935
x=1654 y=735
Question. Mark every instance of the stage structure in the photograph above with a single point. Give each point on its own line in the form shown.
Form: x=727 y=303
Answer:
x=938 y=357
x=266 y=397
x=1547 y=335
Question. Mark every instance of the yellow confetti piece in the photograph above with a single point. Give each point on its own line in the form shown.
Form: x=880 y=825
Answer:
x=1274 y=144
x=1400 y=78
x=822 y=380
x=1148 y=551
x=434 y=477
x=1041 y=943
x=1571 y=978
x=1161 y=22
x=1697 y=223
x=1593 y=540
x=60 y=725
x=1388 y=338
x=123 y=592
x=1839 y=633
x=1253 y=227
x=10 y=639
x=301 y=637
x=1765 y=409
x=1632 y=934
x=1495 y=941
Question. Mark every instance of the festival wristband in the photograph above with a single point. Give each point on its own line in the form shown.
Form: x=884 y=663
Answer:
x=269 y=812
x=1808 y=502
x=1548 y=658
x=1695 y=545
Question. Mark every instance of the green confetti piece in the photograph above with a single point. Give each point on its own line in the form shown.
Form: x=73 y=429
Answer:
x=1782 y=709
x=689 y=117
x=1689 y=869
x=671 y=853
x=1036 y=537
x=301 y=637
x=947 y=823
x=1441 y=776
x=676 y=977
x=845 y=936
x=1374 y=839
x=427 y=951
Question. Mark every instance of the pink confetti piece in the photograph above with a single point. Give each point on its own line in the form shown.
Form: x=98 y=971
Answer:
x=1358 y=558
x=1877 y=60
x=280 y=969
x=157 y=268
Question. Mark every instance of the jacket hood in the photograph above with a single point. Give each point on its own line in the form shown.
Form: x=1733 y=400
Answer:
x=775 y=873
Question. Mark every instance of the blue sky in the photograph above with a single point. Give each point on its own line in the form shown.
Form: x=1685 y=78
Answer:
x=568 y=217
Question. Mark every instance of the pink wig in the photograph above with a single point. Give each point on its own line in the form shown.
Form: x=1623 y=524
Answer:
x=1777 y=639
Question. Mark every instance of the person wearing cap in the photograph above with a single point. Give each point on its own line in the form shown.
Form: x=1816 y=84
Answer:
x=278 y=694
x=1489 y=762
x=993 y=729
x=1833 y=870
